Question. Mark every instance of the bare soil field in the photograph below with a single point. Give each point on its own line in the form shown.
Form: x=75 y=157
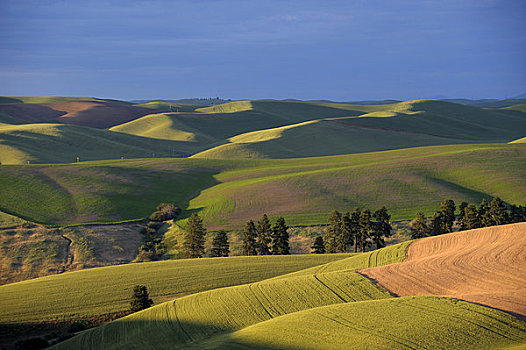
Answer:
x=485 y=266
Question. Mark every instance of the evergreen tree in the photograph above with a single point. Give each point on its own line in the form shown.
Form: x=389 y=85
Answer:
x=264 y=233
x=447 y=208
x=517 y=213
x=249 y=239
x=470 y=219
x=364 y=231
x=194 y=238
x=419 y=227
x=483 y=214
x=220 y=245
x=333 y=232
x=318 y=247
x=355 y=227
x=436 y=226
x=498 y=212
x=140 y=299
x=346 y=233
x=280 y=238
x=382 y=227
x=461 y=209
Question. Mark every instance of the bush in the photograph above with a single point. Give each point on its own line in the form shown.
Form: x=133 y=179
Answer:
x=140 y=299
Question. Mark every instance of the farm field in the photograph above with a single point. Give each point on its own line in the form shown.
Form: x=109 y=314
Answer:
x=227 y=193
x=322 y=304
x=71 y=295
x=484 y=266
x=239 y=129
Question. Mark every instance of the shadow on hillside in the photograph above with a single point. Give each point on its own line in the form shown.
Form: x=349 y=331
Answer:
x=166 y=334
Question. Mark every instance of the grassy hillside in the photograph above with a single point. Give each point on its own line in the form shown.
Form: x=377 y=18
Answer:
x=229 y=192
x=399 y=323
x=108 y=289
x=58 y=143
x=166 y=106
x=205 y=314
x=44 y=99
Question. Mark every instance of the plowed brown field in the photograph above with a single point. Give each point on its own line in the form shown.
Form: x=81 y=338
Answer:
x=485 y=266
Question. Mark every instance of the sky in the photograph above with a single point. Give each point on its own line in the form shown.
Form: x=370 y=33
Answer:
x=244 y=49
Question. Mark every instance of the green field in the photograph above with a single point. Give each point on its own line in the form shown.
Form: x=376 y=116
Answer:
x=399 y=323
x=227 y=193
x=328 y=306
x=104 y=290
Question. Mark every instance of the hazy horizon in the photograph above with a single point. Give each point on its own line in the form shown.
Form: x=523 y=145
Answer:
x=334 y=50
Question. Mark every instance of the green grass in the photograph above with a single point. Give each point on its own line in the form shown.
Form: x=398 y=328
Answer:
x=202 y=315
x=103 y=290
x=7 y=220
x=399 y=323
x=168 y=106
x=521 y=140
x=227 y=193
x=59 y=143
x=44 y=99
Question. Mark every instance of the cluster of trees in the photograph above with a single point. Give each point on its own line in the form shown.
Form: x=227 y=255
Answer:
x=470 y=217
x=356 y=229
x=264 y=239
x=153 y=247
x=195 y=237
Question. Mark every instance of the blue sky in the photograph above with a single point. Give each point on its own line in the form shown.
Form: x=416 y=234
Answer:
x=338 y=50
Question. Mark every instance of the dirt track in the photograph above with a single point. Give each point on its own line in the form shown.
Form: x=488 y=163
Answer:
x=485 y=266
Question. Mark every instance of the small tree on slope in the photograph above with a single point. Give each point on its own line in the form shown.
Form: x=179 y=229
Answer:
x=220 y=245
x=140 y=299
x=419 y=227
x=194 y=239
x=249 y=238
x=318 y=247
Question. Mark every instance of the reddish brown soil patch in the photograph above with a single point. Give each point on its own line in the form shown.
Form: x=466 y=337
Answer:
x=485 y=266
x=94 y=114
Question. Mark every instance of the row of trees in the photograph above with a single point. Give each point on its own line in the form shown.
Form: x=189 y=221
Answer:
x=470 y=217
x=356 y=229
x=264 y=239
x=194 y=240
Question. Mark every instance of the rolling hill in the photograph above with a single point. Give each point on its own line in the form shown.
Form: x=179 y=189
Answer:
x=227 y=193
x=329 y=306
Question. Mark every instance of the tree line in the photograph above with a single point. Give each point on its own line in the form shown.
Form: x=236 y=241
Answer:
x=470 y=217
x=264 y=239
x=359 y=229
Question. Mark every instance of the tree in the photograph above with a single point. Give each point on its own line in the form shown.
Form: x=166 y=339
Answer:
x=517 y=213
x=220 y=245
x=249 y=238
x=447 y=208
x=333 y=232
x=483 y=214
x=498 y=212
x=419 y=227
x=355 y=227
x=165 y=211
x=318 y=247
x=264 y=232
x=346 y=237
x=382 y=227
x=470 y=219
x=140 y=299
x=280 y=238
x=194 y=238
x=364 y=230
x=436 y=226
x=461 y=209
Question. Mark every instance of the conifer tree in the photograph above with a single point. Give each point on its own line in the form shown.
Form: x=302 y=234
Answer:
x=264 y=233
x=470 y=219
x=419 y=227
x=436 y=225
x=249 y=239
x=140 y=299
x=517 y=213
x=333 y=232
x=220 y=245
x=498 y=212
x=346 y=233
x=447 y=208
x=280 y=238
x=382 y=227
x=318 y=247
x=194 y=238
x=364 y=231
x=461 y=209
x=483 y=214
x=355 y=227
